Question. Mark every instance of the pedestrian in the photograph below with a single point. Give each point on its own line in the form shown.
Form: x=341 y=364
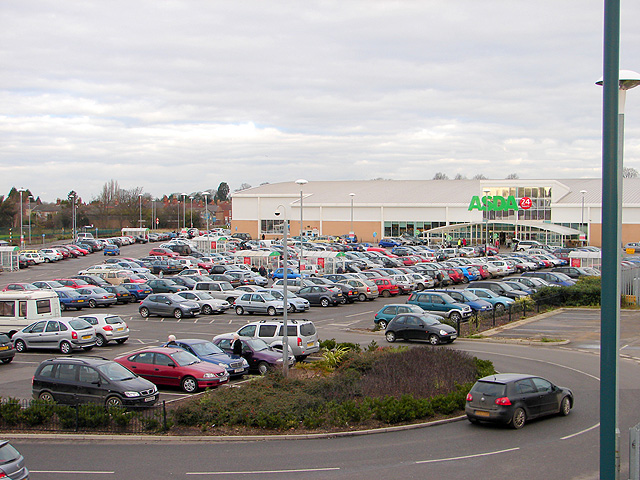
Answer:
x=464 y=242
x=263 y=236
x=236 y=345
x=171 y=341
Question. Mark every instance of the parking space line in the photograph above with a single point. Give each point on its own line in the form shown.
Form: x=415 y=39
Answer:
x=263 y=472
x=357 y=314
x=80 y=472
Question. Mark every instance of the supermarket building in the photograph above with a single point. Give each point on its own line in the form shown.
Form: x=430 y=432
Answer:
x=556 y=212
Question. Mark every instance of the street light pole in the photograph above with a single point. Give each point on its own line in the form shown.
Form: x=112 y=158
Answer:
x=140 y=201
x=285 y=301
x=21 y=222
x=29 y=200
x=302 y=182
x=191 y=210
x=178 y=229
x=351 y=195
x=486 y=223
x=206 y=211
x=583 y=192
x=184 y=211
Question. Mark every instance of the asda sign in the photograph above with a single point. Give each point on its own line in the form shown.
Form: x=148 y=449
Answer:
x=498 y=203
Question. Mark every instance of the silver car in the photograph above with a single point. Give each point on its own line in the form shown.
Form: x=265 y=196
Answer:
x=64 y=334
x=208 y=304
x=108 y=328
x=296 y=303
x=258 y=303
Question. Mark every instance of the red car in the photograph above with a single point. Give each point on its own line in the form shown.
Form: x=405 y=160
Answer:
x=162 y=252
x=456 y=275
x=66 y=252
x=20 y=287
x=484 y=273
x=174 y=367
x=72 y=282
x=386 y=286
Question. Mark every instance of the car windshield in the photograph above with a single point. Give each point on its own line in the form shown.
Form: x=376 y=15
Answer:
x=490 y=293
x=257 y=344
x=115 y=372
x=72 y=293
x=562 y=276
x=447 y=298
x=226 y=286
x=184 y=358
x=470 y=296
x=206 y=348
x=429 y=320
x=174 y=297
x=54 y=284
x=203 y=296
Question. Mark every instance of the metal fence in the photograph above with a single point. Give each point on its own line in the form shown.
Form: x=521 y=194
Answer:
x=630 y=284
x=40 y=416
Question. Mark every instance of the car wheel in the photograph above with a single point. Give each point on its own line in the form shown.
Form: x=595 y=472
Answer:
x=343 y=301
x=189 y=384
x=382 y=324
x=20 y=346
x=291 y=308
x=7 y=360
x=499 y=307
x=92 y=303
x=362 y=297
x=465 y=280
x=65 y=347
x=100 y=341
x=455 y=317
x=565 y=406
x=239 y=310
x=324 y=302
x=433 y=339
x=206 y=310
x=420 y=287
x=63 y=307
x=519 y=418
x=144 y=312
x=46 y=397
x=177 y=313
x=390 y=336
x=120 y=341
x=263 y=368
x=386 y=293
x=271 y=311
x=113 y=401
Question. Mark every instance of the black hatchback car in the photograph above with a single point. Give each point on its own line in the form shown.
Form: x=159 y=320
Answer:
x=7 y=352
x=419 y=326
x=513 y=399
x=75 y=380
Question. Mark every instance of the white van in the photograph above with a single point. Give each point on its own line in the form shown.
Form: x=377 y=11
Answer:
x=19 y=309
x=84 y=236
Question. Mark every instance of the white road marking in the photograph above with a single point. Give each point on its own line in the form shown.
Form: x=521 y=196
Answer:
x=462 y=457
x=262 y=472
x=80 y=472
x=357 y=314
x=581 y=432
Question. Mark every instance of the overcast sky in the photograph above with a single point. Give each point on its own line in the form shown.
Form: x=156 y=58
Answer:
x=179 y=96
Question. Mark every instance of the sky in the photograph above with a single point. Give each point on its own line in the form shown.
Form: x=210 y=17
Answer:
x=180 y=95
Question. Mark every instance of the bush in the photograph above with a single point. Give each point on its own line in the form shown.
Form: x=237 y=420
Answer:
x=38 y=412
x=10 y=411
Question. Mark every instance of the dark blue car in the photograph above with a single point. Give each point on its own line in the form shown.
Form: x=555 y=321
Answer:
x=206 y=351
x=69 y=298
x=139 y=290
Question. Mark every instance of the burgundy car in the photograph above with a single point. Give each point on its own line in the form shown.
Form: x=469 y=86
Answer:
x=174 y=367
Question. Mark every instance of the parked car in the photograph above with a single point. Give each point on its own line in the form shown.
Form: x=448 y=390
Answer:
x=365 y=289
x=7 y=352
x=94 y=380
x=513 y=399
x=302 y=335
x=469 y=298
x=64 y=334
x=573 y=272
x=555 y=278
x=165 y=285
x=207 y=351
x=108 y=328
x=258 y=303
x=386 y=286
x=48 y=284
x=419 y=326
x=499 y=302
x=499 y=288
x=174 y=367
x=163 y=252
x=72 y=282
x=319 y=295
x=70 y=298
x=51 y=254
x=440 y=303
x=220 y=290
x=98 y=297
x=111 y=250
x=208 y=304
x=123 y=295
x=388 y=312
x=260 y=356
x=94 y=280
x=296 y=303
x=168 y=304
x=140 y=291
x=19 y=287
x=533 y=283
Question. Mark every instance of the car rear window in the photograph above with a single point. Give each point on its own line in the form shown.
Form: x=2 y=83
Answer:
x=307 y=329
x=79 y=324
x=8 y=454
x=113 y=320
x=489 y=389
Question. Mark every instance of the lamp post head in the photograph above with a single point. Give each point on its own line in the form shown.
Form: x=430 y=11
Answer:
x=301 y=181
x=627 y=79
x=352 y=194
x=583 y=192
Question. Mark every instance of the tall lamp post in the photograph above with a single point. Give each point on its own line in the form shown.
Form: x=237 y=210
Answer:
x=72 y=199
x=140 y=202
x=616 y=83
x=191 y=210
x=486 y=223
x=29 y=198
x=184 y=210
x=351 y=195
x=285 y=302
x=21 y=189
x=302 y=182
x=178 y=230
x=206 y=211
x=583 y=193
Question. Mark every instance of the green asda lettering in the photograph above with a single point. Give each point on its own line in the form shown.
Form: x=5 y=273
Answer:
x=493 y=204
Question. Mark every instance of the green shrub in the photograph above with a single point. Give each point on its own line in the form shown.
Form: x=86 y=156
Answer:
x=10 y=411
x=329 y=344
x=38 y=412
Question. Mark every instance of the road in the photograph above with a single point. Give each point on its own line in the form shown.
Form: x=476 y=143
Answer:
x=560 y=447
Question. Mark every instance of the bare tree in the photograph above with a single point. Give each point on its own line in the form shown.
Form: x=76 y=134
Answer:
x=512 y=176
x=243 y=186
x=629 y=172
x=459 y=176
x=440 y=176
x=479 y=176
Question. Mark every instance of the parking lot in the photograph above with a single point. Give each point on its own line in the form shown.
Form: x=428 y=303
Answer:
x=344 y=323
